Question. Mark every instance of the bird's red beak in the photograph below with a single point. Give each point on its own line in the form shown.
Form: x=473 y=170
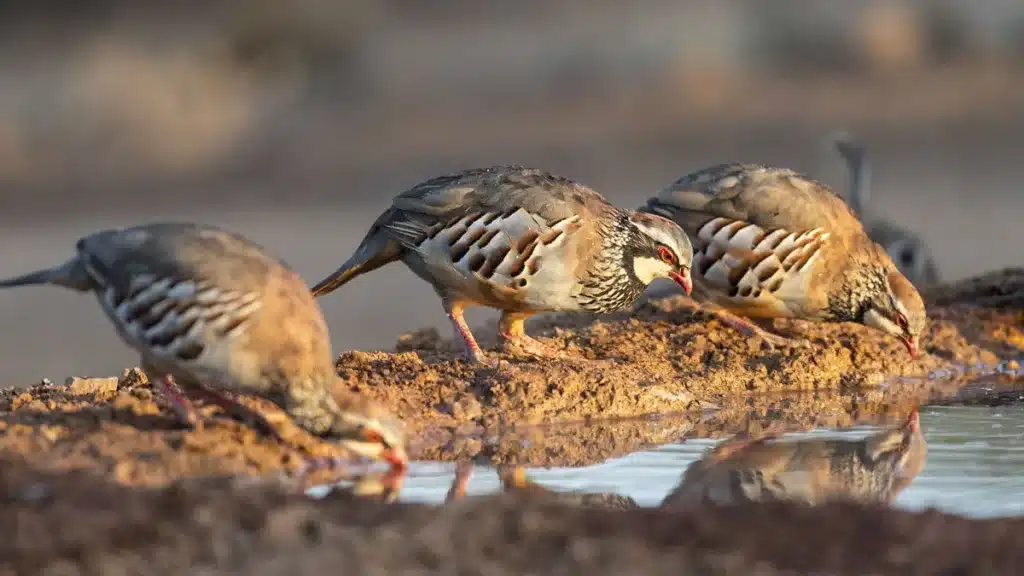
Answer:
x=912 y=345
x=394 y=455
x=914 y=420
x=683 y=279
x=397 y=457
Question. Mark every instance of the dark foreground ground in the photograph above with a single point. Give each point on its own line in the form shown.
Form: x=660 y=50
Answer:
x=96 y=478
x=80 y=524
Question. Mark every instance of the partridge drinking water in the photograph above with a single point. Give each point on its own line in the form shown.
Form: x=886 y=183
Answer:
x=522 y=241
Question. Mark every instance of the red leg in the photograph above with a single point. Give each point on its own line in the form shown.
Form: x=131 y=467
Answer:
x=741 y=324
x=463 y=472
x=236 y=409
x=182 y=407
x=455 y=314
x=751 y=329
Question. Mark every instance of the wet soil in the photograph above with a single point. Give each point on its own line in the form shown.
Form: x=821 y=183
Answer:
x=655 y=375
x=78 y=523
x=95 y=457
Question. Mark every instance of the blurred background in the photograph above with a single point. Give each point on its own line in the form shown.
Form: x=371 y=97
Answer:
x=295 y=122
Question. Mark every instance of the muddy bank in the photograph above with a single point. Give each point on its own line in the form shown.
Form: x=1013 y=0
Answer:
x=701 y=380
x=118 y=427
x=664 y=358
x=79 y=524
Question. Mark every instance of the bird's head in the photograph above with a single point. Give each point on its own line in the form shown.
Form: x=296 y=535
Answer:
x=665 y=251
x=902 y=447
x=898 y=310
x=369 y=430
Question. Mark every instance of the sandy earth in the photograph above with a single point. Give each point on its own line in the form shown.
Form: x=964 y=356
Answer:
x=117 y=514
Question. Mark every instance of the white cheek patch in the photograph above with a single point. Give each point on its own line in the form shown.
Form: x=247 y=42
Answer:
x=648 y=269
x=878 y=321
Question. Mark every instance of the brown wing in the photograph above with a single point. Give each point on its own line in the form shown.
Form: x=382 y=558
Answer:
x=757 y=233
x=177 y=290
x=768 y=197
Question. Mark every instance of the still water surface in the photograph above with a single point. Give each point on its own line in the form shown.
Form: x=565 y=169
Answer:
x=975 y=466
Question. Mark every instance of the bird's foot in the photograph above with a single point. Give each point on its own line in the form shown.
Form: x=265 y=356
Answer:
x=525 y=344
x=750 y=329
x=184 y=412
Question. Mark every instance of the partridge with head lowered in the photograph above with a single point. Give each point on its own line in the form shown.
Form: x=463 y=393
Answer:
x=772 y=243
x=907 y=250
x=811 y=471
x=522 y=241
x=212 y=312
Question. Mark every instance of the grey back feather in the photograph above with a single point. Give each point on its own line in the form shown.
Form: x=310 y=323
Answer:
x=501 y=188
x=176 y=250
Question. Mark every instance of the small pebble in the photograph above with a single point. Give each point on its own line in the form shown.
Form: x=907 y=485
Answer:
x=468 y=408
x=94 y=386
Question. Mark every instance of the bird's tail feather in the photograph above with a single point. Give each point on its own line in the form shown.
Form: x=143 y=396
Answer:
x=71 y=274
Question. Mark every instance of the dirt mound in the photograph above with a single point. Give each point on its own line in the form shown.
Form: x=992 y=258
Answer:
x=663 y=358
x=699 y=378
x=80 y=524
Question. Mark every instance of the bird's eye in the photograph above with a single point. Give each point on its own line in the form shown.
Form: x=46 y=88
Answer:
x=667 y=255
x=901 y=321
x=907 y=257
x=371 y=435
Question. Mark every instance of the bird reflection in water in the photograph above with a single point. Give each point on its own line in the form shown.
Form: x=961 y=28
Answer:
x=812 y=471
x=513 y=479
x=381 y=486
x=765 y=468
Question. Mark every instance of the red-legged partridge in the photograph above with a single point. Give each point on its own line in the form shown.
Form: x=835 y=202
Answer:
x=811 y=471
x=907 y=250
x=772 y=243
x=522 y=241
x=212 y=312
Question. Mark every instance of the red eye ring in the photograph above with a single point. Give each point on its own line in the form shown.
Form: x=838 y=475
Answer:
x=371 y=435
x=901 y=321
x=667 y=255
